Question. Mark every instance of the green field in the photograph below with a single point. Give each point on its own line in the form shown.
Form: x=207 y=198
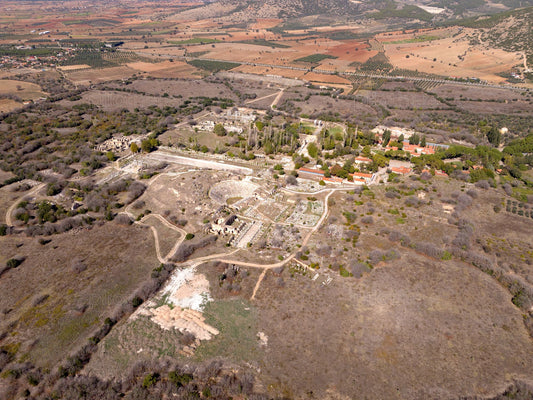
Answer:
x=196 y=40
x=419 y=39
x=236 y=321
x=267 y=43
x=314 y=58
x=214 y=66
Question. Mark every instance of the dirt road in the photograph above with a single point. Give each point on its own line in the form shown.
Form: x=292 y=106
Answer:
x=9 y=212
x=182 y=232
x=277 y=99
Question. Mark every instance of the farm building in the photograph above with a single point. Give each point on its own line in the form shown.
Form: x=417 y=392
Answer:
x=308 y=173
x=362 y=177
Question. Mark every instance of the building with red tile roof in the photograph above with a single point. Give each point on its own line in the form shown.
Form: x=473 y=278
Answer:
x=401 y=170
x=367 y=178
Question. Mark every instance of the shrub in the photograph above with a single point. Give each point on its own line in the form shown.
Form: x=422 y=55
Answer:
x=123 y=219
x=136 y=301
x=472 y=193
x=78 y=266
x=180 y=379
x=189 y=236
x=367 y=220
x=483 y=184
x=150 y=380
x=507 y=189
x=14 y=262
x=358 y=269
x=412 y=201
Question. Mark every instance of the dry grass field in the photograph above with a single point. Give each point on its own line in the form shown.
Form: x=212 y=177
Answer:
x=86 y=77
x=183 y=88
x=449 y=53
x=115 y=101
x=377 y=337
x=166 y=69
x=403 y=100
x=269 y=71
x=413 y=287
x=7 y=105
x=52 y=316
x=24 y=90
x=317 y=105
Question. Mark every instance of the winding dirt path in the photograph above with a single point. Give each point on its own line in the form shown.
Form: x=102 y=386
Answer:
x=182 y=232
x=162 y=219
x=32 y=192
x=525 y=60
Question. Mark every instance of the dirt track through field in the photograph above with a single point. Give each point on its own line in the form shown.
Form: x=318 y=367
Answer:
x=163 y=220
x=277 y=99
x=261 y=98
x=9 y=212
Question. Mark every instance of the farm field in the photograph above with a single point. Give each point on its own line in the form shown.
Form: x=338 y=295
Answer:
x=115 y=101
x=86 y=77
x=450 y=56
x=21 y=89
x=7 y=105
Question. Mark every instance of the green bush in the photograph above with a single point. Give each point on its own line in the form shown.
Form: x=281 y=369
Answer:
x=179 y=379
x=14 y=262
x=136 y=301
x=150 y=380
x=189 y=236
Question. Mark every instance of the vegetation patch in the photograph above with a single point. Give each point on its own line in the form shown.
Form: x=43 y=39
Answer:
x=314 y=58
x=214 y=66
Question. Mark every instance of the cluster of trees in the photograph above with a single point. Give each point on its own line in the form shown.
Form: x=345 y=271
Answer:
x=47 y=218
x=516 y=157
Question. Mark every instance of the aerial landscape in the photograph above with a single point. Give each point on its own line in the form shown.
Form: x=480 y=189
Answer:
x=260 y=199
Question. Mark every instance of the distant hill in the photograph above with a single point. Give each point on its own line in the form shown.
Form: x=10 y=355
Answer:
x=511 y=30
x=328 y=11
